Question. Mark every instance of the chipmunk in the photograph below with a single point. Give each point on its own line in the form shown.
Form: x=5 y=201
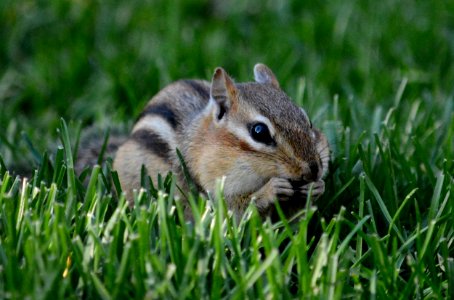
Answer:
x=249 y=133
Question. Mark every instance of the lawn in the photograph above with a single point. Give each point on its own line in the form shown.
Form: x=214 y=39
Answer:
x=376 y=77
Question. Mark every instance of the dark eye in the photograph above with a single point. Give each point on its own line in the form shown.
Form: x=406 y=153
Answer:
x=261 y=133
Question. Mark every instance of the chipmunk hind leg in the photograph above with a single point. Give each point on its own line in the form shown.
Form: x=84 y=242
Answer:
x=130 y=158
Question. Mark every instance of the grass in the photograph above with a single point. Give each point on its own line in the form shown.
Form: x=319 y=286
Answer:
x=376 y=77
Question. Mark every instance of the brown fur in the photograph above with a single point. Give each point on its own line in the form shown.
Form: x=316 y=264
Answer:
x=208 y=123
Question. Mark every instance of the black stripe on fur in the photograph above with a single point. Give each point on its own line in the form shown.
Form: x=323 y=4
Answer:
x=200 y=89
x=153 y=142
x=163 y=110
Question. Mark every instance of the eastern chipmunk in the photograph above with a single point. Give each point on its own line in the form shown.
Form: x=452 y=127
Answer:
x=250 y=133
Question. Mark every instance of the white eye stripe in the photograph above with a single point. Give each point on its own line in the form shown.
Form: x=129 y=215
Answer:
x=243 y=133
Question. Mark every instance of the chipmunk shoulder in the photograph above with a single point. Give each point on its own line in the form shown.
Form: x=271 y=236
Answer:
x=252 y=134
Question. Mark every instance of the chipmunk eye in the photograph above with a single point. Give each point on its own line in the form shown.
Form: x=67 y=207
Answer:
x=261 y=133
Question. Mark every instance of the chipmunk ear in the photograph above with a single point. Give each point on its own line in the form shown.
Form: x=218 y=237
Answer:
x=264 y=75
x=223 y=91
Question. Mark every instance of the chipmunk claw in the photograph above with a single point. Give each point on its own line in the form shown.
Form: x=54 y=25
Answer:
x=275 y=189
x=316 y=189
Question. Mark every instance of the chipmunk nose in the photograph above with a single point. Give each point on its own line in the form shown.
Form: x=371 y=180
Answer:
x=313 y=174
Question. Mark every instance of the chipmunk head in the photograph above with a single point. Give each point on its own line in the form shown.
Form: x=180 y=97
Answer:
x=259 y=133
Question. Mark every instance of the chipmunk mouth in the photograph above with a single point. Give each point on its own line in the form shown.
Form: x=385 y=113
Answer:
x=297 y=184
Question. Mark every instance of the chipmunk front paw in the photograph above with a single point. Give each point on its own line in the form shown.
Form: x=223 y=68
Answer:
x=275 y=189
x=318 y=188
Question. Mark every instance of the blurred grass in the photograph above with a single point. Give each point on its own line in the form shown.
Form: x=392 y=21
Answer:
x=377 y=77
x=85 y=60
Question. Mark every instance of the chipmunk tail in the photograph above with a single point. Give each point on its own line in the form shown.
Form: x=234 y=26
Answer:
x=97 y=146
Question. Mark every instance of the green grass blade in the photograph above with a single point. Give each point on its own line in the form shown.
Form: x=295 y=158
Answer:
x=434 y=203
